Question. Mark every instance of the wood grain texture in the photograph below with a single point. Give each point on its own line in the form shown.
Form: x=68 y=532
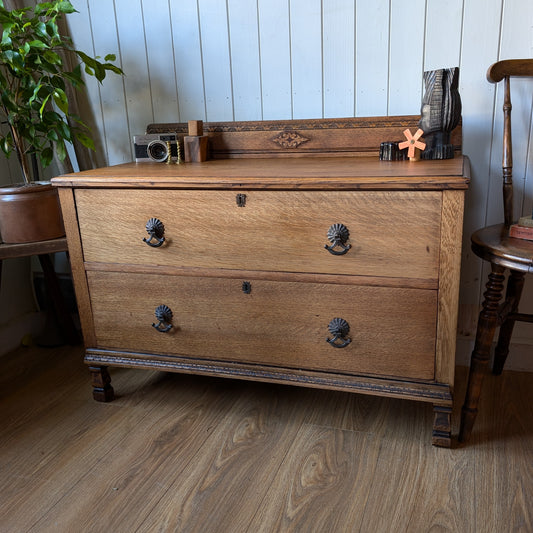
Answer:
x=278 y=323
x=276 y=330
x=323 y=469
x=503 y=429
x=337 y=137
x=282 y=173
x=139 y=472
x=237 y=462
x=343 y=279
x=211 y=455
x=70 y=219
x=423 y=391
x=474 y=34
x=449 y=273
x=391 y=234
x=497 y=245
x=33 y=248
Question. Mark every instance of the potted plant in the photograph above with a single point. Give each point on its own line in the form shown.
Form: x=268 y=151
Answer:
x=35 y=112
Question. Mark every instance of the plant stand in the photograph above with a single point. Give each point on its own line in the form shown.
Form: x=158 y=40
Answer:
x=43 y=249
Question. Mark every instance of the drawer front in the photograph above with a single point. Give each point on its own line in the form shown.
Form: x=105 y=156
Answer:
x=392 y=331
x=392 y=234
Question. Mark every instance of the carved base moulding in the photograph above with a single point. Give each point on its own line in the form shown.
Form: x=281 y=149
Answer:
x=431 y=393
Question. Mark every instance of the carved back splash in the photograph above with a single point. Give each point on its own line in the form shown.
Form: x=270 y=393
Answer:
x=301 y=138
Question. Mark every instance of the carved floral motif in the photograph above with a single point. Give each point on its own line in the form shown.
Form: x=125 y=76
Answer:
x=290 y=139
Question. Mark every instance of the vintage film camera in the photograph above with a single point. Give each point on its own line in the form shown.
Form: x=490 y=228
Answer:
x=153 y=147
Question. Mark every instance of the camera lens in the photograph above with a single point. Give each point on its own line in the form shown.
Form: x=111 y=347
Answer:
x=157 y=150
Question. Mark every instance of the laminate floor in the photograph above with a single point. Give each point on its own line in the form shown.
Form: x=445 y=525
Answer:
x=187 y=453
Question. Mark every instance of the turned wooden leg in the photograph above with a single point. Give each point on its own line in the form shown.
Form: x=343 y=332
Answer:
x=513 y=294
x=442 y=426
x=101 y=382
x=488 y=320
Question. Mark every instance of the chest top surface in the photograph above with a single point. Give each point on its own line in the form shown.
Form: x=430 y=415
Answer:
x=320 y=173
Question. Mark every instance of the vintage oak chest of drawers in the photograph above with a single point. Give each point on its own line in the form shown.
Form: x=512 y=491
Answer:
x=337 y=272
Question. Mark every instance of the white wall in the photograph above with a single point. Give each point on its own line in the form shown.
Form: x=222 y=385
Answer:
x=220 y=60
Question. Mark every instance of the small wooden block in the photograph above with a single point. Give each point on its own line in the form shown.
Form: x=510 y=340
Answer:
x=196 y=128
x=195 y=149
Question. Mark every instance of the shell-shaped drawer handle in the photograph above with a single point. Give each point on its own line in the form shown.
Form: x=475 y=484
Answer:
x=156 y=230
x=339 y=328
x=163 y=314
x=338 y=235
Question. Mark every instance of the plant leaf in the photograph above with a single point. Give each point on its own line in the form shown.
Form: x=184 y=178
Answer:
x=85 y=140
x=52 y=57
x=65 y=7
x=61 y=100
x=40 y=30
x=38 y=44
x=43 y=105
x=61 y=150
x=46 y=156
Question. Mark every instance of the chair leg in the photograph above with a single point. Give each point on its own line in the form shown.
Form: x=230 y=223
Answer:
x=488 y=320
x=513 y=294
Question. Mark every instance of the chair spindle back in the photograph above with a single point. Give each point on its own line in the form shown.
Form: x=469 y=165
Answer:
x=504 y=70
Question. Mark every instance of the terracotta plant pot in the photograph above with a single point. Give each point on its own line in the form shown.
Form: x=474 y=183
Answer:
x=30 y=213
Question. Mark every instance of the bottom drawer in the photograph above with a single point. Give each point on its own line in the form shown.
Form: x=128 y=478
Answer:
x=392 y=330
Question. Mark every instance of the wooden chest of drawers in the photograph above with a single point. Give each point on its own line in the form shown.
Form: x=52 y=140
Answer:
x=246 y=278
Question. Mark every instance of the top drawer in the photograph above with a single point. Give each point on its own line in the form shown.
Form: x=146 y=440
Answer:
x=391 y=233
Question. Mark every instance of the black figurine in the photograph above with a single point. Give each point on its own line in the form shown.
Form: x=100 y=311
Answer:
x=441 y=112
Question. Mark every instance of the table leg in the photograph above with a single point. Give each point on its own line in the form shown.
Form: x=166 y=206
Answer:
x=101 y=382
x=442 y=426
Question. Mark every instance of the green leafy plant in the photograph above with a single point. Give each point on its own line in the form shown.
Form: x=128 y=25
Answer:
x=34 y=77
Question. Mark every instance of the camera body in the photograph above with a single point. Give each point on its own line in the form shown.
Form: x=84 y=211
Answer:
x=153 y=147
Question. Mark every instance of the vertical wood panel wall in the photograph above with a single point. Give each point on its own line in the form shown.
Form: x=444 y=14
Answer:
x=221 y=60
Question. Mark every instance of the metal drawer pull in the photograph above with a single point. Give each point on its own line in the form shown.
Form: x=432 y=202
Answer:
x=163 y=313
x=339 y=328
x=156 y=230
x=338 y=234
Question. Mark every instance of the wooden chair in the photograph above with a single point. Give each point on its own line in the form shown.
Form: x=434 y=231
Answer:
x=493 y=244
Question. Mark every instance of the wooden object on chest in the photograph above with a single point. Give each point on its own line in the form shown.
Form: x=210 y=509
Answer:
x=195 y=143
x=332 y=272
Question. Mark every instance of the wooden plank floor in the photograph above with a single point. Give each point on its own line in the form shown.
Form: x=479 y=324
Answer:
x=185 y=453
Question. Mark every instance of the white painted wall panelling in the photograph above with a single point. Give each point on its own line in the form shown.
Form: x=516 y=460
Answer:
x=338 y=58
x=216 y=59
x=243 y=25
x=188 y=58
x=275 y=59
x=281 y=59
x=372 y=25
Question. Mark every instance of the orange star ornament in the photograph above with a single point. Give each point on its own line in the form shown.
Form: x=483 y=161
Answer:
x=412 y=143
